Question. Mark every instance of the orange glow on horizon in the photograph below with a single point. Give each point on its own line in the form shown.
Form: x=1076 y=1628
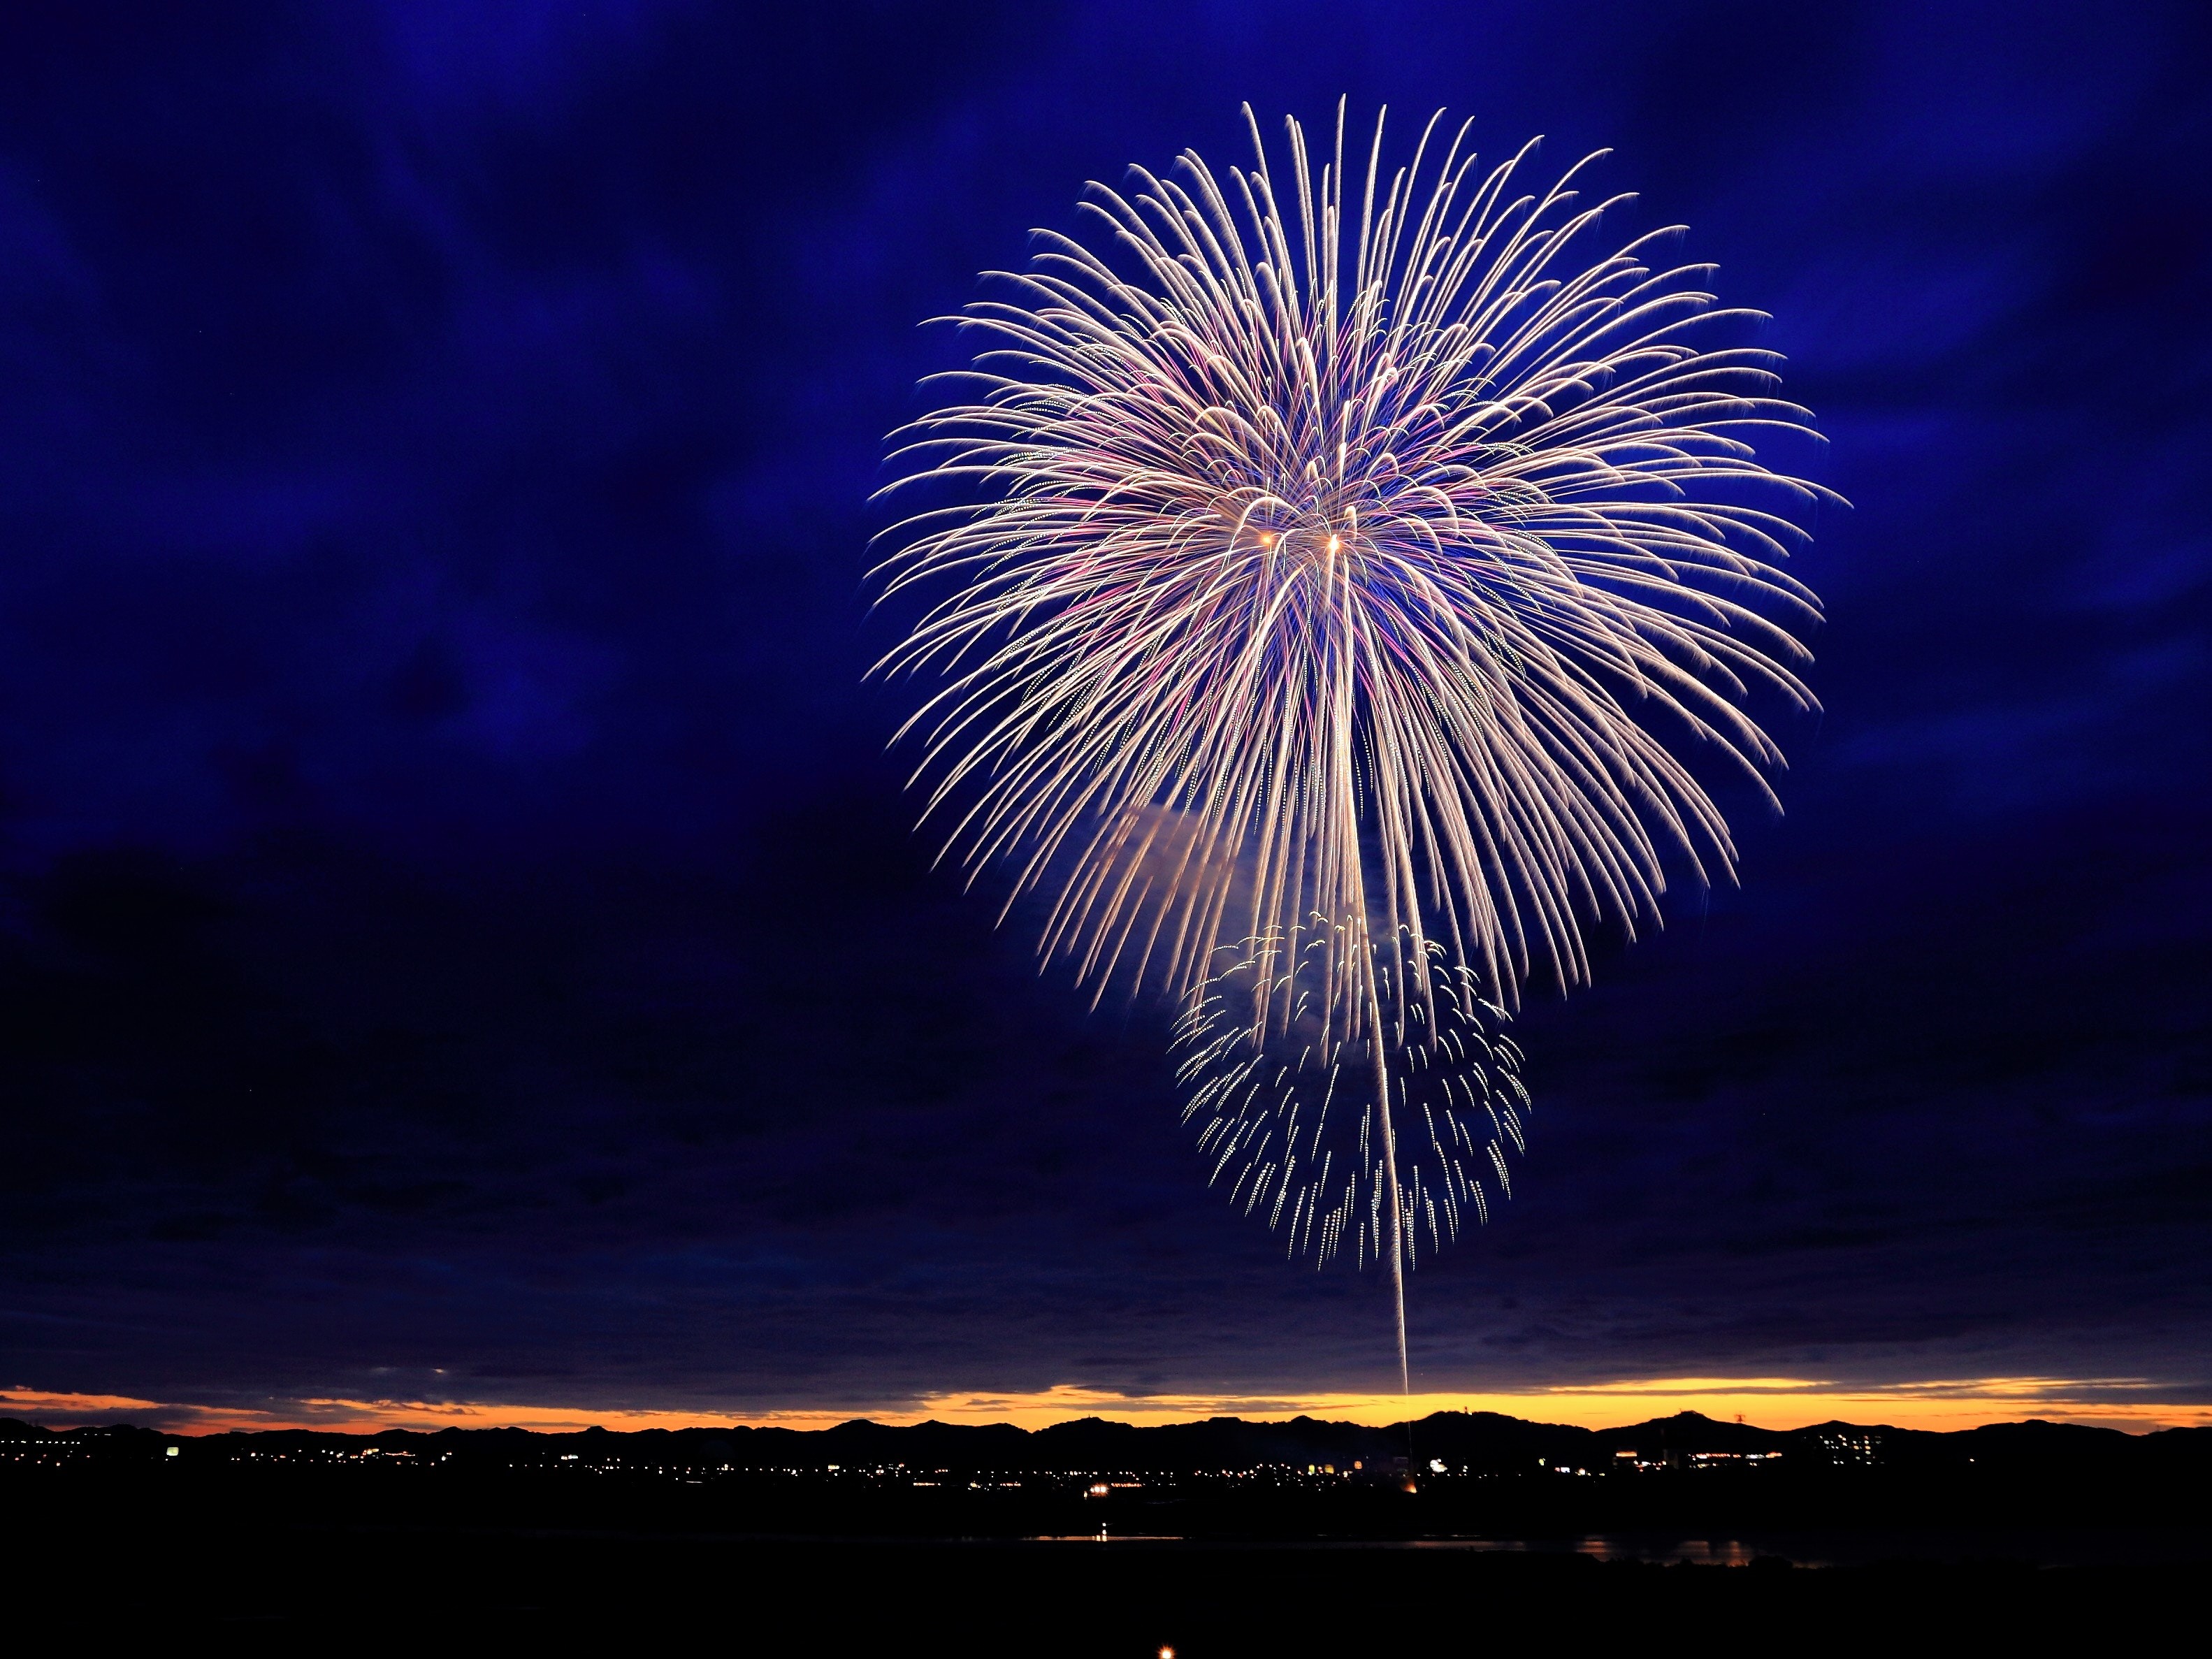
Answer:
x=2129 y=1403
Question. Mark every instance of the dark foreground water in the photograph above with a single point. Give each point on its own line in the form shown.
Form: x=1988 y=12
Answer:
x=270 y=1589
x=358 y=1559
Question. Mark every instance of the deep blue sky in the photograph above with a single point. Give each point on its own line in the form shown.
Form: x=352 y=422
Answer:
x=460 y=933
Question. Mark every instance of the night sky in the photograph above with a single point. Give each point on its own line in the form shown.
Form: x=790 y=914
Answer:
x=461 y=937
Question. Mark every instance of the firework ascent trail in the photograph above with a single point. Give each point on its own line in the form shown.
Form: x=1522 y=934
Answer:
x=1339 y=571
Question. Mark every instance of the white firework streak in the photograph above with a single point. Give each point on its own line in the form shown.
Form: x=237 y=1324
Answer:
x=1337 y=579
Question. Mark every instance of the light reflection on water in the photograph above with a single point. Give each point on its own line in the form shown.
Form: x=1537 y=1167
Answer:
x=2068 y=1547
x=1708 y=1552
x=2082 y=1547
x=1704 y=1552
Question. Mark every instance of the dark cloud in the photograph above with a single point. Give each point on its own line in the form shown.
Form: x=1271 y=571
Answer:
x=460 y=932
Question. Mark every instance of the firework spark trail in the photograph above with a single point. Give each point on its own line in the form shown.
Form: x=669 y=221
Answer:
x=1340 y=573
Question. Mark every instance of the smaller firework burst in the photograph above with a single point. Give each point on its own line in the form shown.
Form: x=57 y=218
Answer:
x=1283 y=1106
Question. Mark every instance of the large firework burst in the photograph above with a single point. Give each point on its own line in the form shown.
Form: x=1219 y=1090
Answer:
x=1343 y=570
